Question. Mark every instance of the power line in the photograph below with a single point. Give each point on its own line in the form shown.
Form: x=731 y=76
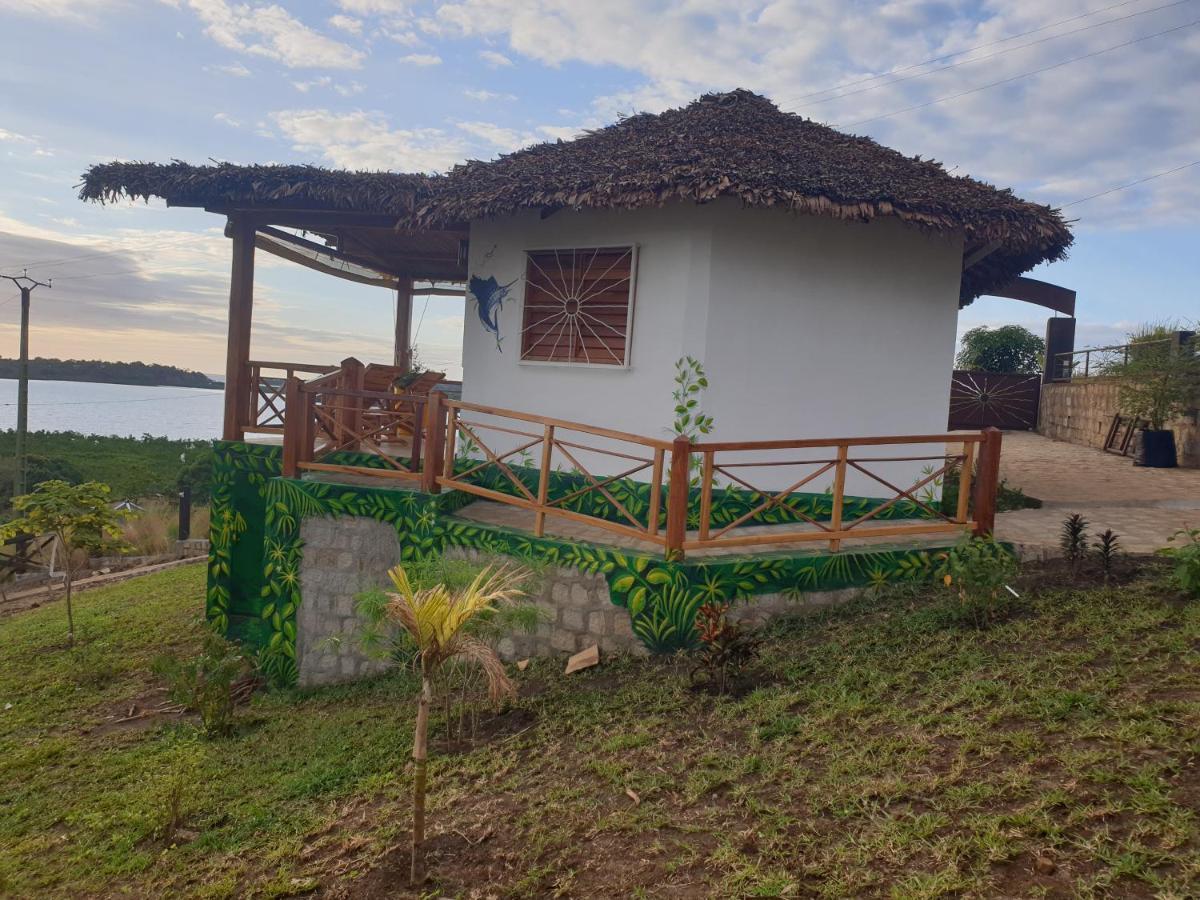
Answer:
x=1018 y=77
x=1053 y=37
x=917 y=65
x=1122 y=187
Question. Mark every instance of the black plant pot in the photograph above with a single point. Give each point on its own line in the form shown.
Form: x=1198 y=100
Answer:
x=1155 y=449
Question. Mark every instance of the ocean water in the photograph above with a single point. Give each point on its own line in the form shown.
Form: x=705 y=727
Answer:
x=121 y=409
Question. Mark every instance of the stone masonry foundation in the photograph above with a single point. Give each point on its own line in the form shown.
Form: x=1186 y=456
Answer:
x=345 y=556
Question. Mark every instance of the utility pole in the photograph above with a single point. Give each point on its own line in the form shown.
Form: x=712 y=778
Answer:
x=26 y=286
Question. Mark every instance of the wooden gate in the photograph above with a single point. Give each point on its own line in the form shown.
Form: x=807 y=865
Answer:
x=989 y=399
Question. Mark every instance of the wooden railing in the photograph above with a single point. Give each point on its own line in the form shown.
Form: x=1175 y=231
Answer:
x=334 y=414
x=268 y=381
x=546 y=440
x=513 y=457
x=838 y=459
x=671 y=487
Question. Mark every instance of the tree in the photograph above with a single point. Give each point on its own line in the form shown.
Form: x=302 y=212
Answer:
x=1007 y=349
x=437 y=621
x=1160 y=378
x=79 y=515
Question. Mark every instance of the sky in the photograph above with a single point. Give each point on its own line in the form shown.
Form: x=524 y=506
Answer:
x=1058 y=101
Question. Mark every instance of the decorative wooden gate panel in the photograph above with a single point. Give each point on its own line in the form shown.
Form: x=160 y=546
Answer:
x=989 y=399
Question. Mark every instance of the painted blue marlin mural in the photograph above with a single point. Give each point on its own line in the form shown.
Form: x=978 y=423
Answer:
x=489 y=296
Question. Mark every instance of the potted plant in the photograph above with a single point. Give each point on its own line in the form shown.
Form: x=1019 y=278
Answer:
x=1160 y=381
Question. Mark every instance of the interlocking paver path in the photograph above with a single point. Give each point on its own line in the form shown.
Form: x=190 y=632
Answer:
x=1144 y=506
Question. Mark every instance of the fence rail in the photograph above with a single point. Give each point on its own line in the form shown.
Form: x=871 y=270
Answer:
x=1097 y=361
x=268 y=381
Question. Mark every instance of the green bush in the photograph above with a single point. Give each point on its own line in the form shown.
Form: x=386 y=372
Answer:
x=978 y=570
x=1186 y=575
x=206 y=683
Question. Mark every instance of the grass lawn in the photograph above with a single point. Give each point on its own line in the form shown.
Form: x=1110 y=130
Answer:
x=883 y=753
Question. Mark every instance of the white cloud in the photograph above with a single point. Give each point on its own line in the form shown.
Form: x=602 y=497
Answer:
x=365 y=140
x=504 y=139
x=348 y=24
x=13 y=138
x=79 y=10
x=421 y=59
x=226 y=119
x=349 y=90
x=374 y=7
x=237 y=70
x=305 y=86
x=272 y=32
x=484 y=96
x=404 y=38
x=494 y=59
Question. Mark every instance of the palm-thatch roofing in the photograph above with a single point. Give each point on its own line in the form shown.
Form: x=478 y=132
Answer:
x=736 y=144
x=228 y=185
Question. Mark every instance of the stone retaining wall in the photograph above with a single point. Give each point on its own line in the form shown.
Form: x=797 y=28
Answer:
x=1080 y=412
x=345 y=556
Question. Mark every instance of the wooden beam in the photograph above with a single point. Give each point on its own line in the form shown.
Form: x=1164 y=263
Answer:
x=402 y=355
x=981 y=254
x=241 y=304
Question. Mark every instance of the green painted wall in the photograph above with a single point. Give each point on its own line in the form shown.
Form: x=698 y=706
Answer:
x=254 y=564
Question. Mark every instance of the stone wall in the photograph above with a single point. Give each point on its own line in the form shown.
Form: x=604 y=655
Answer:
x=1080 y=412
x=342 y=558
x=345 y=556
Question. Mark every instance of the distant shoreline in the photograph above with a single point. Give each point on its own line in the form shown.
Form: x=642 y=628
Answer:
x=100 y=372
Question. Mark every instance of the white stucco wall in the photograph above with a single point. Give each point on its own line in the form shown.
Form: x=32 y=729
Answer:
x=807 y=326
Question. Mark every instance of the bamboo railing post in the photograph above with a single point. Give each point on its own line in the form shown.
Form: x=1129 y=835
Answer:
x=543 y=494
x=307 y=429
x=416 y=448
x=987 y=481
x=839 y=492
x=435 y=433
x=677 y=497
x=350 y=406
x=964 y=481
x=293 y=427
x=706 y=488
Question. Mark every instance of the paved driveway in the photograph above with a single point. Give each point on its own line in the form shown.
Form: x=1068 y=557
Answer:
x=1143 y=506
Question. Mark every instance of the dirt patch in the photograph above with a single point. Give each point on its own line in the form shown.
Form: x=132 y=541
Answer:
x=1058 y=574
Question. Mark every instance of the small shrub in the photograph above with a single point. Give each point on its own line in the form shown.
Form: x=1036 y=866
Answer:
x=206 y=684
x=1073 y=539
x=1186 y=575
x=1106 y=549
x=726 y=648
x=92 y=662
x=979 y=569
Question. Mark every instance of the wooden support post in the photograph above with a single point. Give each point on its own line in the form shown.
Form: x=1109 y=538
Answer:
x=294 y=428
x=677 y=497
x=403 y=340
x=656 y=486
x=839 y=495
x=241 y=303
x=706 y=489
x=350 y=408
x=451 y=441
x=543 y=494
x=987 y=481
x=965 y=475
x=435 y=434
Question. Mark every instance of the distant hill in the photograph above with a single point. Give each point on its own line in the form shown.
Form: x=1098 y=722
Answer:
x=96 y=370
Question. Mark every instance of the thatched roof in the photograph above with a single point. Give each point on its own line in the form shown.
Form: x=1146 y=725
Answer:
x=736 y=144
x=739 y=144
x=226 y=184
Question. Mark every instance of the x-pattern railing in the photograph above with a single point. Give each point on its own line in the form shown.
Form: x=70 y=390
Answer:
x=549 y=442
x=924 y=517
x=268 y=392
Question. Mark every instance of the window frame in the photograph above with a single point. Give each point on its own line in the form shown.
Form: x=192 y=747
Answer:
x=625 y=364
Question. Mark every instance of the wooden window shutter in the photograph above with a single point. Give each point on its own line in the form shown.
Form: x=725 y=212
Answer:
x=578 y=305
